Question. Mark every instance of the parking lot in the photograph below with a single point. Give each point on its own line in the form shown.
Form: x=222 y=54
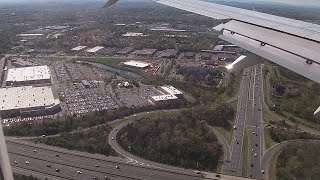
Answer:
x=80 y=100
x=136 y=96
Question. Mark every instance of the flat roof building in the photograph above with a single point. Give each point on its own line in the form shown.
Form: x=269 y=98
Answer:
x=168 y=98
x=28 y=75
x=169 y=53
x=136 y=64
x=171 y=90
x=27 y=100
x=78 y=48
x=125 y=51
x=146 y=52
x=95 y=49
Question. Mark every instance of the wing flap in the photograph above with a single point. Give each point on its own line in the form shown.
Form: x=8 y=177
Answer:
x=286 y=42
x=276 y=55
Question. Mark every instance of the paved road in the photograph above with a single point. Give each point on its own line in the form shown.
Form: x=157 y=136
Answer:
x=268 y=155
x=138 y=160
x=235 y=165
x=225 y=145
x=254 y=125
x=69 y=162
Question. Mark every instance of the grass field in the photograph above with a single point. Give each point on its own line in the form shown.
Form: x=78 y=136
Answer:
x=54 y=58
x=245 y=154
x=273 y=166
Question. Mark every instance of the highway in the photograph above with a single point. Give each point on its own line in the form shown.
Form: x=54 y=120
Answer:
x=248 y=118
x=69 y=162
x=254 y=125
x=235 y=165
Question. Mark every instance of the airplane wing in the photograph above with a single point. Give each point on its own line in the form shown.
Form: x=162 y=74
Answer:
x=290 y=43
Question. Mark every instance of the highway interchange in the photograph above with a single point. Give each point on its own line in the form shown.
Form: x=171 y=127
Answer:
x=46 y=160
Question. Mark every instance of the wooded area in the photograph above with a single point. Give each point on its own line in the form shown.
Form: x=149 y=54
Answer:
x=299 y=161
x=92 y=141
x=180 y=139
x=68 y=124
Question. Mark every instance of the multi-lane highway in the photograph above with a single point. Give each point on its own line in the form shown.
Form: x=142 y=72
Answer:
x=234 y=167
x=46 y=161
x=248 y=118
x=254 y=125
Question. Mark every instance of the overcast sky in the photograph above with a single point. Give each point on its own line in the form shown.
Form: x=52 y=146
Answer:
x=292 y=2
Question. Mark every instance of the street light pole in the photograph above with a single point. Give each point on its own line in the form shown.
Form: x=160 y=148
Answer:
x=6 y=172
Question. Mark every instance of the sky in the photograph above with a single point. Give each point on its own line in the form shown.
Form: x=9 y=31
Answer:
x=291 y=2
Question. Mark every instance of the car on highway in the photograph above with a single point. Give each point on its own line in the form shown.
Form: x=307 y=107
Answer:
x=234 y=127
x=35 y=151
x=95 y=177
x=112 y=138
x=15 y=162
x=43 y=135
x=27 y=162
x=117 y=167
x=253 y=132
x=48 y=165
x=97 y=165
x=255 y=155
x=57 y=170
x=57 y=155
x=262 y=171
x=79 y=172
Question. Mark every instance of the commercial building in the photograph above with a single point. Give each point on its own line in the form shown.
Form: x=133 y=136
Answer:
x=78 y=48
x=164 y=99
x=169 y=53
x=28 y=101
x=172 y=91
x=136 y=64
x=131 y=34
x=125 y=51
x=146 y=52
x=28 y=76
x=95 y=49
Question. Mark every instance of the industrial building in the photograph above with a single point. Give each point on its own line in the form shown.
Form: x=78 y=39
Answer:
x=28 y=101
x=28 y=76
x=136 y=64
x=172 y=91
x=164 y=99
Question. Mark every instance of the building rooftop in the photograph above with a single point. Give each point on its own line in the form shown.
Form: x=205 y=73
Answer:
x=169 y=53
x=146 y=51
x=138 y=64
x=95 y=49
x=78 y=48
x=171 y=90
x=28 y=74
x=164 y=97
x=126 y=50
x=26 y=97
